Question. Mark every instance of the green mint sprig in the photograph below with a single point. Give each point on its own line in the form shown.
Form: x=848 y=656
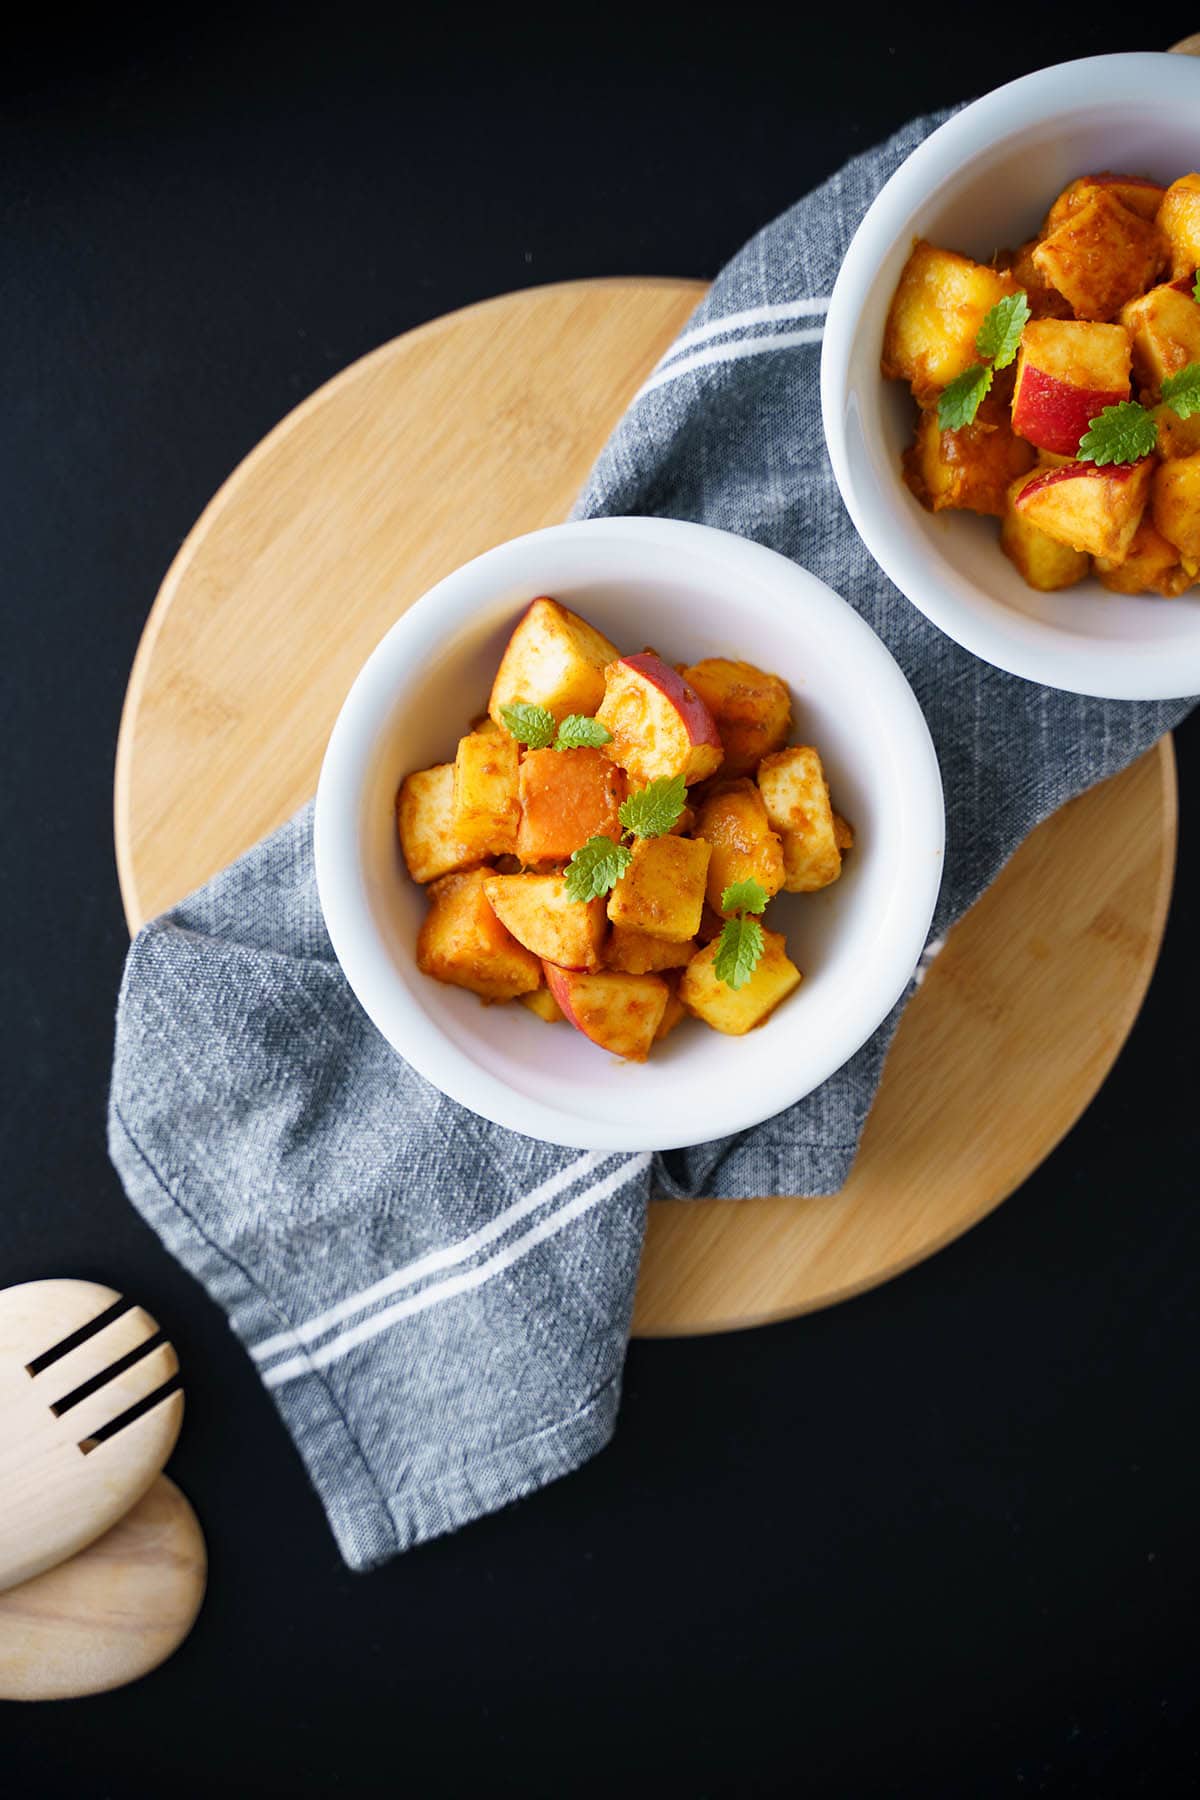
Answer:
x=534 y=727
x=1119 y=434
x=578 y=732
x=741 y=943
x=599 y=864
x=997 y=341
x=1181 y=391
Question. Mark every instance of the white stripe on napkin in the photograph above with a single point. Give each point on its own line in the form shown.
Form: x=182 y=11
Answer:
x=461 y=1283
x=432 y=1261
x=720 y=353
x=737 y=321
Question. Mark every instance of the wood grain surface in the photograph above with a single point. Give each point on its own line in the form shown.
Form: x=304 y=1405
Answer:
x=113 y=1612
x=470 y=430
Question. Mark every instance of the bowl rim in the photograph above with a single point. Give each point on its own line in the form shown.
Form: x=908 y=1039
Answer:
x=1056 y=657
x=342 y=884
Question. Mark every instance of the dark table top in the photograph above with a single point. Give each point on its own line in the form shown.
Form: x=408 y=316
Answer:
x=937 y=1541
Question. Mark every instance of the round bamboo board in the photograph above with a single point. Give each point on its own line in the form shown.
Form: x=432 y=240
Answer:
x=473 y=429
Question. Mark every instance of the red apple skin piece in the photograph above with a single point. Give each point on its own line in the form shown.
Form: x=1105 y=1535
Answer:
x=1111 y=473
x=700 y=724
x=705 y=751
x=1074 y=471
x=1054 y=415
x=638 y=1022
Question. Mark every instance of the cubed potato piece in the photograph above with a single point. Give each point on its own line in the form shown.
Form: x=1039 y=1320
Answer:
x=736 y=1011
x=487 y=807
x=1178 y=219
x=637 y=953
x=969 y=468
x=621 y=1013
x=553 y=659
x=542 y=1002
x=753 y=710
x=1067 y=372
x=567 y=796
x=1137 y=192
x=796 y=795
x=463 y=943
x=662 y=890
x=1101 y=256
x=660 y=726
x=1164 y=330
x=1176 y=436
x=539 y=913
x=733 y=819
x=1091 y=507
x=1175 y=507
x=1044 y=301
x=425 y=821
x=1152 y=566
x=1043 y=561
x=940 y=302
x=673 y=1012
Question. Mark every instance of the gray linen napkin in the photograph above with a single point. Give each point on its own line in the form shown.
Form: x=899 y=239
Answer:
x=440 y=1308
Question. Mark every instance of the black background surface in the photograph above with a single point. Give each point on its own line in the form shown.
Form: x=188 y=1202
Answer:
x=939 y=1541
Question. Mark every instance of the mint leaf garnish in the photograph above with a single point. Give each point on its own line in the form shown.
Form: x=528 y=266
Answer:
x=960 y=401
x=1182 y=390
x=579 y=733
x=653 y=810
x=596 y=867
x=533 y=726
x=744 y=896
x=999 y=337
x=1120 y=434
x=739 y=948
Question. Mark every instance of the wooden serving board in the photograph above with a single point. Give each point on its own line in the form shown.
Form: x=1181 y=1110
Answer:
x=473 y=429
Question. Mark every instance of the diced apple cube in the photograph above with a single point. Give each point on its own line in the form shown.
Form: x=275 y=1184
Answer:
x=1175 y=507
x=463 y=943
x=753 y=710
x=1152 y=566
x=969 y=468
x=733 y=819
x=487 y=808
x=621 y=1013
x=540 y=914
x=940 y=302
x=567 y=796
x=1101 y=256
x=1044 y=562
x=1092 y=507
x=1164 y=330
x=1140 y=195
x=425 y=821
x=662 y=890
x=542 y=1002
x=1178 y=219
x=796 y=795
x=659 y=724
x=1067 y=372
x=553 y=659
x=738 y=1010
x=637 y=953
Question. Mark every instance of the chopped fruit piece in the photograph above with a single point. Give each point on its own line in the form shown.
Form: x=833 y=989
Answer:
x=1176 y=506
x=753 y=710
x=637 y=953
x=672 y=1012
x=538 y=912
x=553 y=659
x=1140 y=195
x=733 y=819
x=1044 y=302
x=659 y=724
x=463 y=943
x=543 y=1003
x=938 y=307
x=1088 y=506
x=736 y=1011
x=567 y=796
x=486 y=806
x=969 y=468
x=425 y=821
x=662 y=891
x=1176 y=436
x=621 y=1013
x=1067 y=373
x=1178 y=219
x=1100 y=256
x=1152 y=566
x=1044 y=563
x=796 y=796
x=1164 y=329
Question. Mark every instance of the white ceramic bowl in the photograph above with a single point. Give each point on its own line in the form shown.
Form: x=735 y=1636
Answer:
x=692 y=592
x=983 y=180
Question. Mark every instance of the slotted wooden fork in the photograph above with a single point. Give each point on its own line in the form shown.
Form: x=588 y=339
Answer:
x=90 y=1407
